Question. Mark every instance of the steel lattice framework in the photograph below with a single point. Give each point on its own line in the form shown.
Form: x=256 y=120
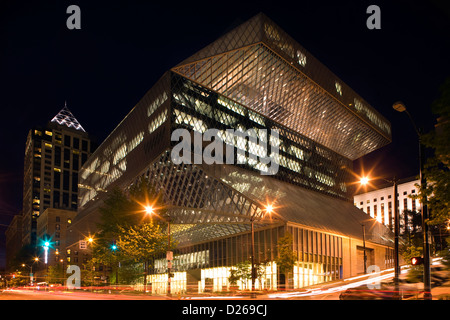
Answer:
x=259 y=66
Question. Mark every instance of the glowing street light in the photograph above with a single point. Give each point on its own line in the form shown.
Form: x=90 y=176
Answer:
x=364 y=180
x=149 y=210
x=269 y=208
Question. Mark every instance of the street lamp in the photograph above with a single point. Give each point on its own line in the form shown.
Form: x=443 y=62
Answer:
x=269 y=209
x=400 y=107
x=31 y=271
x=365 y=181
x=150 y=210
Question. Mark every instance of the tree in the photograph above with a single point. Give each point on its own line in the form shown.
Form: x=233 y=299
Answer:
x=56 y=274
x=241 y=271
x=122 y=217
x=142 y=243
x=437 y=168
x=286 y=256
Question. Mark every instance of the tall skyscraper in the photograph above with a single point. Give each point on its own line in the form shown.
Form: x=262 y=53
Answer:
x=53 y=156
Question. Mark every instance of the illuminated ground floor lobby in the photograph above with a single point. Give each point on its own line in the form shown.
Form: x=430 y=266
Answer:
x=321 y=257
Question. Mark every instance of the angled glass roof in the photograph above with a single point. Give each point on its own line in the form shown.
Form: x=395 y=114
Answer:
x=262 y=68
x=294 y=204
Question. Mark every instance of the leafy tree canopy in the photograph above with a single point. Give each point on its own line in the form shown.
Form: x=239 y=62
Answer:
x=437 y=168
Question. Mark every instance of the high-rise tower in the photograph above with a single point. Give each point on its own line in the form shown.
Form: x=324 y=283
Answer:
x=53 y=156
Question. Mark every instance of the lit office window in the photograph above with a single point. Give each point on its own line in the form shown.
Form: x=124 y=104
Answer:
x=338 y=88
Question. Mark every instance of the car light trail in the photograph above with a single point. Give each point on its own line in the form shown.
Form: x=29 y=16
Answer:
x=371 y=281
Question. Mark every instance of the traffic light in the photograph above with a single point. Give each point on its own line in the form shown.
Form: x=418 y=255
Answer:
x=114 y=246
x=415 y=261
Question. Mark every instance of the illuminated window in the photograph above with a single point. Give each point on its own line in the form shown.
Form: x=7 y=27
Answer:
x=135 y=141
x=338 y=88
x=120 y=154
x=155 y=104
x=301 y=58
x=37 y=132
x=49 y=133
x=158 y=121
x=48 y=145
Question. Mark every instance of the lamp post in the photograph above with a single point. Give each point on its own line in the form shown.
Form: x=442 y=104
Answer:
x=150 y=210
x=31 y=269
x=400 y=107
x=268 y=209
x=394 y=181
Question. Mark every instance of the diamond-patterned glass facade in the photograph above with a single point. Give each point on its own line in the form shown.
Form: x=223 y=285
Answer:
x=261 y=67
x=302 y=161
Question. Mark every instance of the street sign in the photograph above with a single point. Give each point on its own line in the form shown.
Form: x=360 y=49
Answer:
x=83 y=245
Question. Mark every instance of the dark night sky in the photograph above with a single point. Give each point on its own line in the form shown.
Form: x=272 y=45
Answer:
x=123 y=48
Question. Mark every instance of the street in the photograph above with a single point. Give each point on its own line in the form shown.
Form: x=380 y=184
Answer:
x=369 y=286
x=20 y=294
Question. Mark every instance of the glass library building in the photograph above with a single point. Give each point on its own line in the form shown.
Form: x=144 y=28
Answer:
x=250 y=122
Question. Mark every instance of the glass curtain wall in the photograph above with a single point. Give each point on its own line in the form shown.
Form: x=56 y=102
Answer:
x=319 y=259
